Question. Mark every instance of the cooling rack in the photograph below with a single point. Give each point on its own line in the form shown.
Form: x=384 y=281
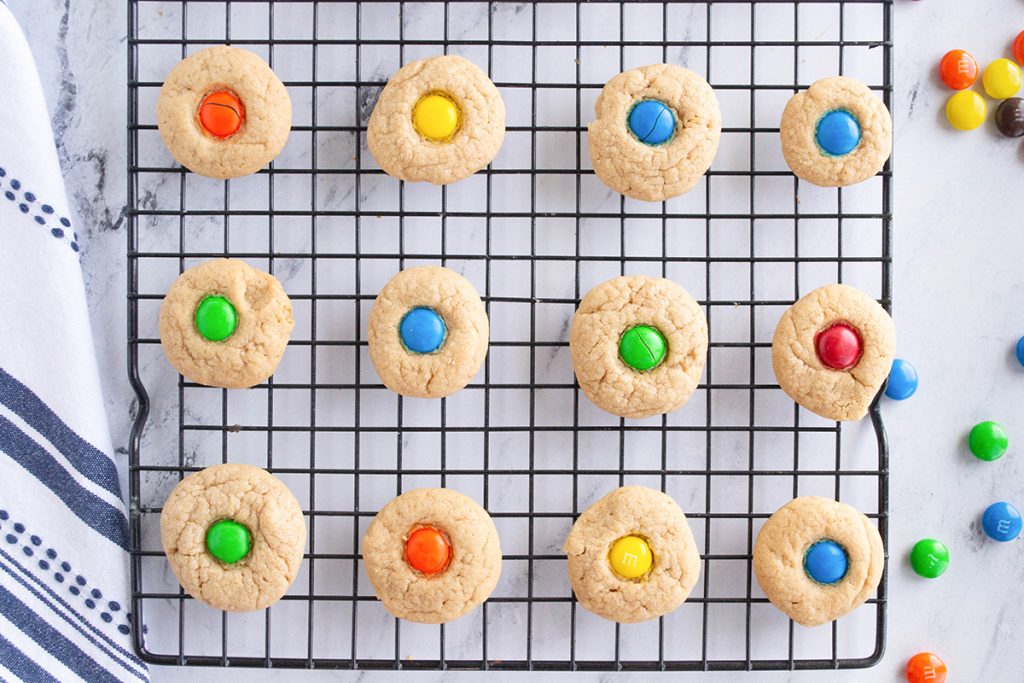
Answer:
x=533 y=232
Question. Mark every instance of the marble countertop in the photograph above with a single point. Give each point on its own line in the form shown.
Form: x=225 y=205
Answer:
x=958 y=286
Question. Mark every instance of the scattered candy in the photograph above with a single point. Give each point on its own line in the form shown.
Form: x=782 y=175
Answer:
x=1018 y=48
x=427 y=550
x=422 y=330
x=631 y=557
x=1002 y=79
x=925 y=667
x=826 y=562
x=216 y=318
x=958 y=69
x=642 y=347
x=1001 y=521
x=838 y=346
x=436 y=117
x=652 y=122
x=988 y=440
x=221 y=114
x=838 y=132
x=929 y=558
x=1010 y=117
x=902 y=381
x=966 y=110
x=228 y=541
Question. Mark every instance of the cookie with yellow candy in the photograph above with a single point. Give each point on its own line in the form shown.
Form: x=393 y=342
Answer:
x=439 y=120
x=631 y=556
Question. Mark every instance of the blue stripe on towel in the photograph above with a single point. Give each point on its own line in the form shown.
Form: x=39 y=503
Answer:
x=99 y=645
x=52 y=640
x=106 y=519
x=18 y=663
x=83 y=456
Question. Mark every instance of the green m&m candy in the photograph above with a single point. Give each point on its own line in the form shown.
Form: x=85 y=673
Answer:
x=929 y=558
x=988 y=440
x=642 y=347
x=216 y=318
x=228 y=541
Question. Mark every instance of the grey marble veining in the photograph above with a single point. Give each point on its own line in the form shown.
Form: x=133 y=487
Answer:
x=957 y=293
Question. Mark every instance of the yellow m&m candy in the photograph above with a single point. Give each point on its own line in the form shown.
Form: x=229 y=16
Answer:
x=966 y=110
x=1001 y=79
x=631 y=557
x=436 y=117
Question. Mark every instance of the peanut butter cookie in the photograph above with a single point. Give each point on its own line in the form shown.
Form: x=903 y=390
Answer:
x=427 y=332
x=234 y=536
x=439 y=120
x=836 y=133
x=632 y=556
x=225 y=324
x=638 y=345
x=223 y=113
x=432 y=555
x=817 y=559
x=656 y=132
x=832 y=351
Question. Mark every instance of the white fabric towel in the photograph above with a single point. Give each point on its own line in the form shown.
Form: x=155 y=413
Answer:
x=64 y=596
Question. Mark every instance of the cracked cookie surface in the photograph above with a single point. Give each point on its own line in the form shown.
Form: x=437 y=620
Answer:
x=655 y=172
x=453 y=365
x=252 y=497
x=779 y=559
x=799 y=127
x=833 y=394
x=405 y=154
x=266 y=124
x=471 y=574
x=606 y=313
x=252 y=352
x=644 y=512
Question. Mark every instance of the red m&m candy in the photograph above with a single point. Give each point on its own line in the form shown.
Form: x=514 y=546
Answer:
x=925 y=667
x=958 y=69
x=838 y=346
x=1018 y=48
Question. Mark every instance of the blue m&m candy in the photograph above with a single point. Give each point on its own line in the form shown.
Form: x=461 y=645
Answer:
x=838 y=133
x=1001 y=522
x=422 y=330
x=902 y=380
x=652 y=122
x=826 y=562
x=1020 y=350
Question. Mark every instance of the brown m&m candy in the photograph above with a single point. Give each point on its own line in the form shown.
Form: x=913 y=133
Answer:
x=1010 y=117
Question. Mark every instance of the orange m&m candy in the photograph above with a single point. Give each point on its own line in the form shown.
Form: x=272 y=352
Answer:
x=958 y=69
x=1018 y=48
x=427 y=550
x=925 y=667
x=221 y=114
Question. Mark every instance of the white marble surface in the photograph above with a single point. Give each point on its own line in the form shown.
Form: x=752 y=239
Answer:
x=957 y=291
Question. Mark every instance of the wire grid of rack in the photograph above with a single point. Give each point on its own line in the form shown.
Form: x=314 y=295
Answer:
x=534 y=231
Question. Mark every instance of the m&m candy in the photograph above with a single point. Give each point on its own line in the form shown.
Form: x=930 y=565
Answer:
x=642 y=347
x=902 y=382
x=926 y=667
x=1020 y=350
x=1002 y=79
x=966 y=110
x=958 y=69
x=837 y=133
x=652 y=122
x=422 y=330
x=631 y=557
x=929 y=558
x=826 y=562
x=221 y=114
x=988 y=441
x=216 y=318
x=427 y=550
x=436 y=117
x=1010 y=117
x=1018 y=48
x=838 y=346
x=228 y=541
x=1001 y=521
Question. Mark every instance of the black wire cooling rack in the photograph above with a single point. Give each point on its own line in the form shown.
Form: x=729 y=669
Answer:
x=533 y=232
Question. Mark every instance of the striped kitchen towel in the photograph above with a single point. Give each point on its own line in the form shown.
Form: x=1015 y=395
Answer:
x=64 y=610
